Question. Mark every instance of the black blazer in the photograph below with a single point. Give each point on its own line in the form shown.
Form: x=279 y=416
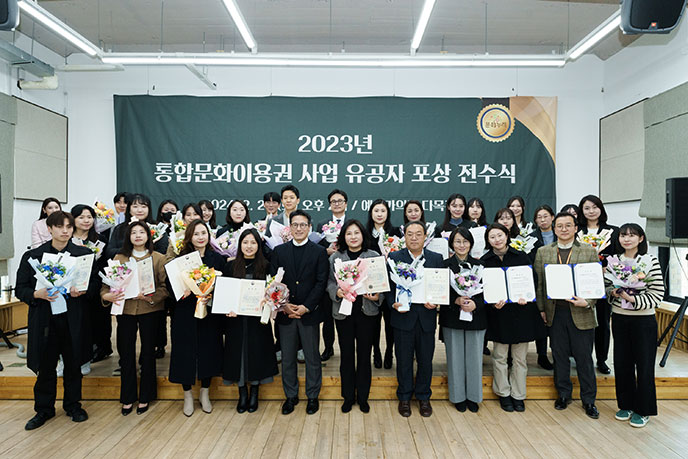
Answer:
x=373 y=241
x=449 y=315
x=306 y=282
x=614 y=246
x=449 y=227
x=426 y=317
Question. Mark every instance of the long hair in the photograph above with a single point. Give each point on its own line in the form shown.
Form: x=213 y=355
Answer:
x=47 y=201
x=419 y=204
x=582 y=221
x=158 y=217
x=208 y=205
x=341 y=239
x=127 y=247
x=260 y=263
x=188 y=235
x=387 y=225
x=447 y=212
x=523 y=207
x=77 y=211
x=633 y=228
x=500 y=227
x=482 y=220
x=513 y=232
x=194 y=206
x=139 y=199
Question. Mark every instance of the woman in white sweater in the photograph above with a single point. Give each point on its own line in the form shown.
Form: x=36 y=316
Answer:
x=634 y=328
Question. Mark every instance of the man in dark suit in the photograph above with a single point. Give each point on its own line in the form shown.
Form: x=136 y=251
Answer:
x=338 y=201
x=305 y=273
x=414 y=330
x=53 y=334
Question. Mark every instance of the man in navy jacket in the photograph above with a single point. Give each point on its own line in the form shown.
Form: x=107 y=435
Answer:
x=414 y=330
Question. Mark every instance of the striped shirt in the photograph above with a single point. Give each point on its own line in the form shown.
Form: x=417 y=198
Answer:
x=646 y=300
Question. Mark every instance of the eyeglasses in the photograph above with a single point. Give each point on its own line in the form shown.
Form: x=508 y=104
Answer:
x=462 y=243
x=337 y=201
x=300 y=225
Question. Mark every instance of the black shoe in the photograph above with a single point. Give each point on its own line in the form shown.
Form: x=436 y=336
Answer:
x=486 y=351
x=253 y=399
x=561 y=403
x=159 y=352
x=289 y=404
x=327 y=353
x=388 y=359
x=142 y=409
x=347 y=405
x=461 y=406
x=544 y=362
x=78 y=415
x=591 y=410
x=472 y=406
x=363 y=406
x=519 y=405
x=100 y=355
x=377 y=359
x=242 y=404
x=127 y=411
x=506 y=404
x=313 y=406
x=38 y=420
x=603 y=368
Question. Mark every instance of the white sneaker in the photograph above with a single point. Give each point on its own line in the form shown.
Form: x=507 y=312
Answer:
x=86 y=368
x=60 y=368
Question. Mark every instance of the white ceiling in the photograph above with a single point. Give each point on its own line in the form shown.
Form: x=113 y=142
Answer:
x=356 y=26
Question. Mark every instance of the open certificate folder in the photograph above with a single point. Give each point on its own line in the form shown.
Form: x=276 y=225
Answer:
x=242 y=296
x=434 y=287
x=584 y=280
x=508 y=284
x=176 y=267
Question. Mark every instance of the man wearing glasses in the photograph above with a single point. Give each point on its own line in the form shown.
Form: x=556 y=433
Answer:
x=338 y=203
x=571 y=322
x=305 y=274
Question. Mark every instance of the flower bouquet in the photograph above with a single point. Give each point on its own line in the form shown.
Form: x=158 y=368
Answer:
x=389 y=244
x=157 y=231
x=523 y=244
x=276 y=296
x=467 y=282
x=177 y=233
x=524 y=231
x=261 y=227
x=105 y=217
x=599 y=241
x=118 y=276
x=629 y=275
x=330 y=231
x=95 y=247
x=201 y=282
x=56 y=277
x=429 y=233
x=405 y=276
x=279 y=234
x=350 y=277
x=226 y=244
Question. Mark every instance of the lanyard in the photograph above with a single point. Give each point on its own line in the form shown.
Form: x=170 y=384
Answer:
x=568 y=258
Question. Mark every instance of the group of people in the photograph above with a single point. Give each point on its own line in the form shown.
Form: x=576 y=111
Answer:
x=244 y=351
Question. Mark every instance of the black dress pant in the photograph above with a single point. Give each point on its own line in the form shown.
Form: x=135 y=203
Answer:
x=567 y=341
x=602 y=332
x=161 y=334
x=101 y=331
x=541 y=346
x=59 y=341
x=389 y=334
x=635 y=351
x=147 y=327
x=355 y=344
x=408 y=343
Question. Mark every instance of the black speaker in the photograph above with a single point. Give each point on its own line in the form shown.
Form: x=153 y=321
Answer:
x=676 y=209
x=9 y=14
x=650 y=16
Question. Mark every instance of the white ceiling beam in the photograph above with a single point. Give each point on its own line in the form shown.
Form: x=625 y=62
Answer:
x=241 y=24
x=422 y=24
x=599 y=33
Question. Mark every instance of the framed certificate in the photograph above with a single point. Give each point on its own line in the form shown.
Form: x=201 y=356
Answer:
x=377 y=280
x=436 y=282
x=176 y=267
x=508 y=284
x=584 y=280
x=82 y=271
x=146 y=276
x=241 y=296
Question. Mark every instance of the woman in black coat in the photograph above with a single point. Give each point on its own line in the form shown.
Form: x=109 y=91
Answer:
x=196 y=343
x=249 y=356
x=455 y=215
x=464 y=339
x=138 y=206
x=510 y=325
x=379 y=222
x=593 y=219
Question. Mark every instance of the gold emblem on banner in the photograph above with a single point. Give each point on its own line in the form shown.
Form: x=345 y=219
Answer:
x=495 y=123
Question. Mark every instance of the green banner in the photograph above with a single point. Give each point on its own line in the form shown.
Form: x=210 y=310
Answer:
x=223 y=148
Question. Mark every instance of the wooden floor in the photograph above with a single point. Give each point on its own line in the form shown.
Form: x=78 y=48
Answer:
x=165 y=432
